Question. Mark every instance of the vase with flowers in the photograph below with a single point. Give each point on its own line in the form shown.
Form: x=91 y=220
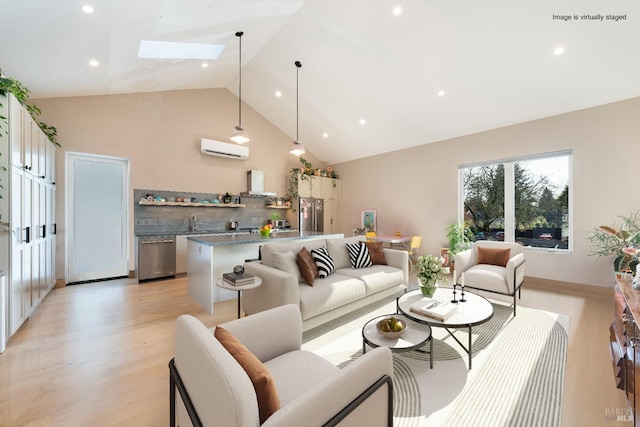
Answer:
x=621 y=241
x=429 y=271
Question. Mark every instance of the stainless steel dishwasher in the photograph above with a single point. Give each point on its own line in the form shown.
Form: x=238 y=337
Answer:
x=156 y=257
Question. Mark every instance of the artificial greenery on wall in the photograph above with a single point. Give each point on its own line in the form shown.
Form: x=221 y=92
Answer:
x=10 y=85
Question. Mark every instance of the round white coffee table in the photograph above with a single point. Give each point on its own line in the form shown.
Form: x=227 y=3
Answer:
x=225 y=285
x=474 y=311
x=414 y=337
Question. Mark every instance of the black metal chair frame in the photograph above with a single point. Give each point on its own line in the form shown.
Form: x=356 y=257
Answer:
x=175 y=381
x=517 y=289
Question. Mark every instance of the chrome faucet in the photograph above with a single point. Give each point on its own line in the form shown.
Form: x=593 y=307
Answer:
x=194 y=223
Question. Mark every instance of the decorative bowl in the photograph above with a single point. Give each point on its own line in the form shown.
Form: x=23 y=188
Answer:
x=391 y=334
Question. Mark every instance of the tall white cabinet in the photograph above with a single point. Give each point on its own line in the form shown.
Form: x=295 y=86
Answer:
x=29 y=158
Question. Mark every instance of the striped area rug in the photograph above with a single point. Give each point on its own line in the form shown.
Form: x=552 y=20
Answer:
x=517 y=377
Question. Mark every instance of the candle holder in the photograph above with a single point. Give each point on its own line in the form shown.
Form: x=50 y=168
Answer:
x=462 y=295
x=454 y=300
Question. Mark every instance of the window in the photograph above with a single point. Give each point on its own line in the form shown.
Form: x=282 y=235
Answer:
x=524 y=200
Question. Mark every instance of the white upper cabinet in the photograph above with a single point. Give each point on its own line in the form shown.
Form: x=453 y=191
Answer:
x=16 y=111
x=319 y=187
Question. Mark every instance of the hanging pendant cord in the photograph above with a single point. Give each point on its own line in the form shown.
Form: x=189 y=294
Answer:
x=239 y=34
x=298 y=65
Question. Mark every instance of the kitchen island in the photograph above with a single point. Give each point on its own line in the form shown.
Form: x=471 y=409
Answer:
x=208 y=257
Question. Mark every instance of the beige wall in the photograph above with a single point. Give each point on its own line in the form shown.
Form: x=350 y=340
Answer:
x=415 y=189
x=159 y=133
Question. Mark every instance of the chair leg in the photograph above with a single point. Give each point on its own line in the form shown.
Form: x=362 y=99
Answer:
x=514 y=304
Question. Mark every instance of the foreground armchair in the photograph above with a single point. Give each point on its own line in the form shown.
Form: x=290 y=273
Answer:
x=215 y=390
x=496 y=267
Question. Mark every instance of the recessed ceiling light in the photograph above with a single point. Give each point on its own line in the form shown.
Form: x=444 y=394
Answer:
x=176 y=50
x=363 y=122
x=441 y=92
x=325 y=135
x=205 y=65
x=278 y=94
x=94 y=63
x=397 y=11
x=558 y=51
x=87 y=9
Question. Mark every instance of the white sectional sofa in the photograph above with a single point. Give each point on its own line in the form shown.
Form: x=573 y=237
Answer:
x=340 y=293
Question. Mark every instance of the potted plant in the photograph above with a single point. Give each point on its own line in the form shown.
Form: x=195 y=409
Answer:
x=430 y=270
x=622 y=241
x=460 y=239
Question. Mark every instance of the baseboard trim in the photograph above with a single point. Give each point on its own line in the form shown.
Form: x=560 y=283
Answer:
x=568 y=287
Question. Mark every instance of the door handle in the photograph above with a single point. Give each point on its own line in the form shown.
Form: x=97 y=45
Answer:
x=28 y=235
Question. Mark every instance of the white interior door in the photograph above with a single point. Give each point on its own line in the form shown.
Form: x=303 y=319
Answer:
x=97 y=217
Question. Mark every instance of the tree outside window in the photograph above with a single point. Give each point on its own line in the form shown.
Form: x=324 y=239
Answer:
x=539 y=209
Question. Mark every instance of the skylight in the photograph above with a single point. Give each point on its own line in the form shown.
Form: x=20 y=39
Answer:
x=177 y=50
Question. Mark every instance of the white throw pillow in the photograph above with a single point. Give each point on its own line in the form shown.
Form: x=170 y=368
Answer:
x=286 y=261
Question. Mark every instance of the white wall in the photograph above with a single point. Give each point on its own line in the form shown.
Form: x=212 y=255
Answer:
x=415 y=189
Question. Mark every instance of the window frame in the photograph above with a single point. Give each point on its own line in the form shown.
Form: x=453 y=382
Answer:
x=509 y=195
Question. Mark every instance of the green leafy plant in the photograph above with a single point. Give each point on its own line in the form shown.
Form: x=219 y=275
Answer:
x=460 y=237
x=622 y=240
x=15 y=87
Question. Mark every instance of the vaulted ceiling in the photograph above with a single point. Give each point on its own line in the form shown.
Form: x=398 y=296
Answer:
x=371 y=81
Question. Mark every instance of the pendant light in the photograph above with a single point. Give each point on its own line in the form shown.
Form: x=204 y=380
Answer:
x=297 y=148
x=239 y=135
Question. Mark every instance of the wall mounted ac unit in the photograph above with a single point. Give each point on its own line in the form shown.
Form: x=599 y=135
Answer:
x=223 y=149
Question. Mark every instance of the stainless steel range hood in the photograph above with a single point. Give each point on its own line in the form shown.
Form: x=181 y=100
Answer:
x=255 y=185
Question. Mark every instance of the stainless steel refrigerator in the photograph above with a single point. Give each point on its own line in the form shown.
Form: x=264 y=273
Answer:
x=311 y=214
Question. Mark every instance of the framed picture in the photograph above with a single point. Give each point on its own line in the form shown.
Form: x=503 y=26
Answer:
x=368 y=219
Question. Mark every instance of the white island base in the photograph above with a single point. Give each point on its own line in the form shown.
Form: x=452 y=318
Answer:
x=205 y=264
x=208 y=257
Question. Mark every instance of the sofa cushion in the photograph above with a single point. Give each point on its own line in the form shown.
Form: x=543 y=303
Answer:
x=329 y=293
x=261 y=378
x=307 y=266
x=359 y=255
x=323 y=262
x=494 y=256
x=297 y=372
x=376 y=278
x=488 y=277
x=338 y=250
x=286 y=261
x=376 y=252
x=268 y=249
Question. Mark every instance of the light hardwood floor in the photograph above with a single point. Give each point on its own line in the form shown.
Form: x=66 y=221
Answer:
x=97 y=354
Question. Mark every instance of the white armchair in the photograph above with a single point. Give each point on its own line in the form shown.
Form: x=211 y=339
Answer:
x=215 y=390
x=498 y=271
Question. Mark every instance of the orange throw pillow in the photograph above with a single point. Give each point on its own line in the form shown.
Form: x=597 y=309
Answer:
x=307 y=266
x=376 y=253
x=261 y=378
x=494 y=256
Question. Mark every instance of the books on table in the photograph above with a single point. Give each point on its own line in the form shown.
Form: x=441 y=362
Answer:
x=431 y=307
x=238 y=279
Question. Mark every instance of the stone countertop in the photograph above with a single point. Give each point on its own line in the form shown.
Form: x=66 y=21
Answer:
x=222 y=240
x=188 y=233
x=203 y=233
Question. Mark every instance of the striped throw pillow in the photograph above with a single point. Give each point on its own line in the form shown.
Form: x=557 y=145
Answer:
x=359 y=255
x=323 y=262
